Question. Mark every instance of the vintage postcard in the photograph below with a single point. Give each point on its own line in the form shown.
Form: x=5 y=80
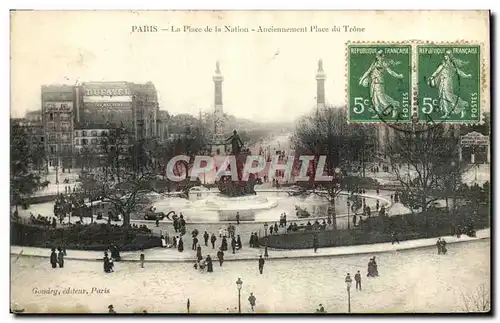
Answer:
x=250 y=162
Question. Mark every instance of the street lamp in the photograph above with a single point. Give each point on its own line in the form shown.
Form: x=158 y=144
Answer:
x=348 y=282
x=239 y=284
x=348 y=214
x=265 y=228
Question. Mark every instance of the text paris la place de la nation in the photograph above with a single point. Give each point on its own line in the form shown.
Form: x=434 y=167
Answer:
x=240 y=29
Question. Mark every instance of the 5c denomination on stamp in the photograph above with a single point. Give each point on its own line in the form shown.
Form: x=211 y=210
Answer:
x=449 y=83
x=379 y=82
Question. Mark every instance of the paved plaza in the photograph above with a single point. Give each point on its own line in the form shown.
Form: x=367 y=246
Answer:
x=410 y=281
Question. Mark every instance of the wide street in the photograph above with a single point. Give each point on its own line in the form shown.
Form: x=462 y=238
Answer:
x=410 y=281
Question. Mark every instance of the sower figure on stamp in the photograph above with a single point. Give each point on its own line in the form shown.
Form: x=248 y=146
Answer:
x=442 y=79
x=374 y=78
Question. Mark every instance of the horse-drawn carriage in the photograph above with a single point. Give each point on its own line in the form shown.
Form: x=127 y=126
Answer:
x=301 y=212
x=150 y=215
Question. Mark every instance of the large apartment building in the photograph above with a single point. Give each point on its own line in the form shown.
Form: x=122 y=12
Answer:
x=95 y=106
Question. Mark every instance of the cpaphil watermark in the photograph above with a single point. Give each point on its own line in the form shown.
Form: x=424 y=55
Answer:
x=241 y=169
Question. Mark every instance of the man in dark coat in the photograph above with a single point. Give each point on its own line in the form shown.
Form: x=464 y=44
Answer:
x=180 y=245
x=53 y=258
x=106 y=263
x=261 y=264
x=315 y=243
x=198 y=254
x=252 y=300
x=176 y=225
x=237 y=217
x=251 y=242
x=357 y=278
x=60 y=258
x=212 y=240
x=239 y=245
x=220 y=256
x=195 y=243
x=210 y=266
x=233 y=244
x=223 y=244
x=182 y=222
x=205 y=237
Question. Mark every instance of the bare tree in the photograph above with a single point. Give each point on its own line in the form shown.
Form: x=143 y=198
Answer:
x=127 y=173
x=347 y=149
x=431 y=153
x=478 y=301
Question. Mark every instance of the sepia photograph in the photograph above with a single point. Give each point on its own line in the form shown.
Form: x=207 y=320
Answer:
x=250 y=162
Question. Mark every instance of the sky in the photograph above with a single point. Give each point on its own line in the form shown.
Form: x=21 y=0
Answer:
x=267 y=76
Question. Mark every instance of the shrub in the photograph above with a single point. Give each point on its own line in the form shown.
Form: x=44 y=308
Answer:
x=84 y=237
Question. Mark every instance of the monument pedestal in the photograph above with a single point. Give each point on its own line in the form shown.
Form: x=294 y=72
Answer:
x=218 y=149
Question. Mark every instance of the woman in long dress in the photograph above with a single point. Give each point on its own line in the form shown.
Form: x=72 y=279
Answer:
x=442 y=79
x=374 y=78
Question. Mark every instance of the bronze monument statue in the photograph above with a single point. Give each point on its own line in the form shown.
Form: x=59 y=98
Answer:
x=236 y=143
x=237 y=187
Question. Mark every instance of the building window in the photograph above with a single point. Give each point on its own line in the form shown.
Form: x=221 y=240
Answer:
x=42 y=139
x=84 y=141
x=51 y=116
x=65 y=126
x=84 y=133
x=52 y=137
x=94 y=133
x=77 y=133
x=52 y=149
x=77 y=141
x=93 y=141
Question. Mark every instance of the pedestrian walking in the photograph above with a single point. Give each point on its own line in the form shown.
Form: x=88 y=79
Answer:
x=195 y=243
x=443 y=247
x=438 y=245
x=233 y=244
x=53 y=258
x=180 y=245
x=261 y=264
x=205 y=237
x=188 y=305
x=142 y=258
x=220 y=256
x=157 y=222
x=395 y=237
x=111 y=309
x=212 y=240
x=210 y=266
x=315 y=243
x=198 y=254
x=266 y=254
x=357 y=278
x=60 y=258
x=251 y=300
x=237 y=217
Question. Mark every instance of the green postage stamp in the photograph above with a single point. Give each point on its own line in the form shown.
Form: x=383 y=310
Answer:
x=449 y=83
x=379 y=83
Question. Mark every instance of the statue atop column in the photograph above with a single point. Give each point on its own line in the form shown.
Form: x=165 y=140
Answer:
x=236 y=143
x=217 y=68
